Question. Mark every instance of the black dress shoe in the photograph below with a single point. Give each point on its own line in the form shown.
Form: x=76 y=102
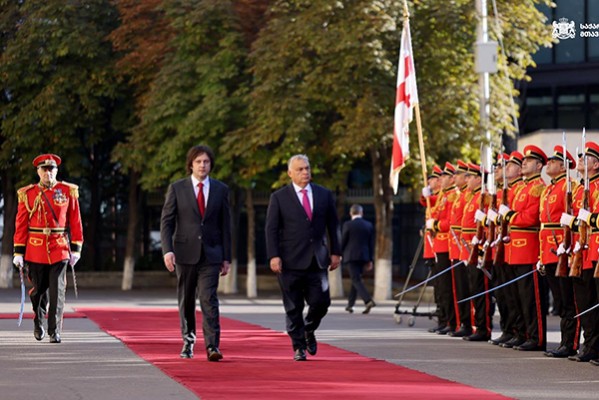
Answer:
x=311 y=344
x=529 y=345
x=462 y=332
x=560 y=352
x=300 y=355
x=501 y=339
x=213 y=353
x=477 y=337
x=369 y=306
x=39 y=333
x=594 y=362
x=349 y=309
x=436 y=328
x=584 y=357
x=515 y=341
x=444 y=331
x=55 y=338
x=187 y=350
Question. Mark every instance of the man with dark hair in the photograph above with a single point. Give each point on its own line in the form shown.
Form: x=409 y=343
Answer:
x=195 y=230
x=357 y=245
x=298 y=218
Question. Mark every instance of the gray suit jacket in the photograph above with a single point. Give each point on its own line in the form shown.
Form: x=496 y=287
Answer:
x=184 y=232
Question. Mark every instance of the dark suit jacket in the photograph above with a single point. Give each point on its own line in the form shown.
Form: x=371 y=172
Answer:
x=296 y=239
x=357 y=241
x=183 y=231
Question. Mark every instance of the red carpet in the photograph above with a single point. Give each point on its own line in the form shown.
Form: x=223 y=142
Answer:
x=258 y=363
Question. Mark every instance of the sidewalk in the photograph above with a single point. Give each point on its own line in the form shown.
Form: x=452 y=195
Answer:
x=90 y=364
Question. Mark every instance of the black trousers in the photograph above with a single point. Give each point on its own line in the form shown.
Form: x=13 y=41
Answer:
x=585 y=292
x=49 y=287
x=201 y=281
x=506 y=314
x=298 y=287
x=356 y=269
x=443 y=291
x=461 y=291
x=563 y=296
x=531 y=293
x=483 y=307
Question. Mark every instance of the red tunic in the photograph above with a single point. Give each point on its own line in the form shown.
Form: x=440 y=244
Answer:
x=455 y=233
x=442 y=216
x=38 y=235
x=553 y=204
x=524 y=223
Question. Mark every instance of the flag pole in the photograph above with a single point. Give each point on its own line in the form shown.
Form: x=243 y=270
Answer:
x=419 y=129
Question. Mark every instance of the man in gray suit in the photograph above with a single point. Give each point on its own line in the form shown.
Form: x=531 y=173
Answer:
x=298 y=218
x=357 y=243
x=195 y=230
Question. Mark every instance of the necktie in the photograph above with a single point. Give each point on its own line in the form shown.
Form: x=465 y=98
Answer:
x=201 y=202
x=306 y=203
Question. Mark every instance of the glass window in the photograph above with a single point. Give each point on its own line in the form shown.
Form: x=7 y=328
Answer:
x=545 y=54
x=537 y=113
x=570 y=50
x=594 y=110
x=570 y=110
x=593 y=18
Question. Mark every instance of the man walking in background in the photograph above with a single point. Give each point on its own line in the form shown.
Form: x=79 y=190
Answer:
x=357 y=245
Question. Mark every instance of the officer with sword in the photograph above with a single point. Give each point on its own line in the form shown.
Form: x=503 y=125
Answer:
x=48 y=237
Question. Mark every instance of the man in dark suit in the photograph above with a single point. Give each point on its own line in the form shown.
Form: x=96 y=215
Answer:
x=357 y=244
x=298 y=218
x=195 y=230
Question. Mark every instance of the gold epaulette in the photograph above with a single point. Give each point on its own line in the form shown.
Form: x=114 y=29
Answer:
x=537 y=190
x=22 y=193
x=73 y=189
x=453 y=196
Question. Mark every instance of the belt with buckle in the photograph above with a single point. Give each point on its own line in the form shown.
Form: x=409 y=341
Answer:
x=47 y=231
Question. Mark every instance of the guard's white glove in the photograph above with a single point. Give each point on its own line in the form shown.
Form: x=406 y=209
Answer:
x=474 y=241
x=577 y=247
x=503 y=210
x=560 y=249
x=427 y=192
x=492 y=216
x=539 y=266
x=480 y=216
x=74 y=258
x=430 y=224
x=567 y=220
x=18 y=261
x=584 y=215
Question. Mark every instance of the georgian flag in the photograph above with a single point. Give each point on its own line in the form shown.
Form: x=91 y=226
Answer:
x=405 y=98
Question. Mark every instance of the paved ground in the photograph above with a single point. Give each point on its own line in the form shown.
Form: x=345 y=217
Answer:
x=90 y=364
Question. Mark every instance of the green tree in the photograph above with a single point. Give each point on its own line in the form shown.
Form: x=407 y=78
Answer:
x=59 y=93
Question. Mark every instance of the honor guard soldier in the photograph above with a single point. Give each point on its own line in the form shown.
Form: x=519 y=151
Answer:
x=585 y=289
x=48 y=236
x=511 y=323
x=431 y=193
x=522 y=255
x=553 y=205
x=459 y=273
x=478 y=282
x=439 y=225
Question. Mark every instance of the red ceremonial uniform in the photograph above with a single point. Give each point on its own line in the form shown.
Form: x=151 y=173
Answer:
x=553 y=204
x=592 y=254
x=455 y=233
x=524 y=223
x=442 y=216
x=38 y=235
x=469 y=224
x=428 y=238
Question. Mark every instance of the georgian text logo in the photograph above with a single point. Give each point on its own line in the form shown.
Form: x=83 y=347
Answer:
x=565 y=29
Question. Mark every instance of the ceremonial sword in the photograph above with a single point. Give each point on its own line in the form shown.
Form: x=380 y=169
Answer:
x=21 y=309
x=430 y=279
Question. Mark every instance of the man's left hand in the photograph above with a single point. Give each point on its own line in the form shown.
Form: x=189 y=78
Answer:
x=335 y=260
x=225 y=268
x=369 y=266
